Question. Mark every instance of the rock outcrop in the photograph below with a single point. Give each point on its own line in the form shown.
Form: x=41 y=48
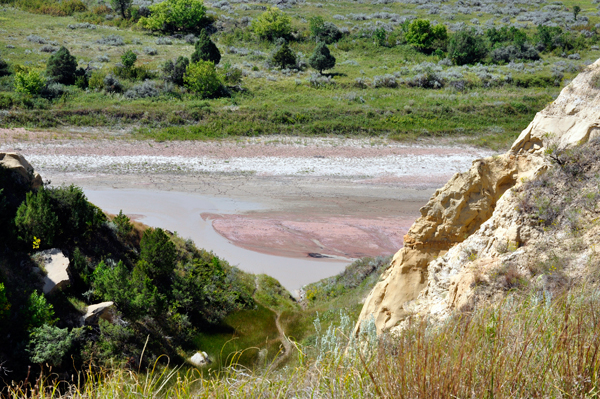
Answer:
x=473 y=215
x=23 y=170
x=56 y=265
x=103 y=310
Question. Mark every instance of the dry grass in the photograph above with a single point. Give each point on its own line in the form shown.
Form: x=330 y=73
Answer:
x=525 y=347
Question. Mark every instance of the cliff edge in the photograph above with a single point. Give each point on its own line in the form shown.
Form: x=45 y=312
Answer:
x=481 y=221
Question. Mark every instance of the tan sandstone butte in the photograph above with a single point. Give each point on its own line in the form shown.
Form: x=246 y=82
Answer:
x=424 y=277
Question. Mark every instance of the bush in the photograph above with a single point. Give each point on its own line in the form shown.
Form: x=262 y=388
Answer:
x=61 y=67
x=174 y=71
x=111 y=40
x=205 y=50
x=49 y=344
x=143 y=90
x=176 y=16
x=467 y=47
x=321 y=58
x=284 y=57
x=111 y=84
x=35 y=218
x=38 y=311
x=324 y=31
x=385 y=81
x=123 y=223
x=96 y=81
x=75 y=214
x=121 y=6
x=158 y=252
x=232 y=75
x=512 y=53
x=202 y=79
x=128 y=59
x=4 y=68
x=425 y=37
x=272 y=24
x=31 y=82
x=4 y=304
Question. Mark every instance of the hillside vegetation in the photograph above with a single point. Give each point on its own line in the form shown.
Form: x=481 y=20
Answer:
x=403 y=69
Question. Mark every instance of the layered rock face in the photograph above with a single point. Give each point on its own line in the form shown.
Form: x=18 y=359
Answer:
x=474 y=215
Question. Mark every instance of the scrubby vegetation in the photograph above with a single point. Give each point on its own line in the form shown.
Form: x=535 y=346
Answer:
x=420 y=70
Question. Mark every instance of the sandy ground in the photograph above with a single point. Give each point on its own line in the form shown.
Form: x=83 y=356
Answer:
x=338 y=198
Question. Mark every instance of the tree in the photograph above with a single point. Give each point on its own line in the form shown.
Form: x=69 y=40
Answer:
x=206 y=50
x=576 y=11
x=62 y=67
x=128 y=59
x=38 y=311
x=316 y=25
x=284 y=57
x=175 y=71
x=422 y=35
x=158 y=251
x=272 y=24
x=176 y=16
x=321 y=59
x=467 y=47
x=35 y=218
x=202 y=78
x=4 y=69
x=121 y=6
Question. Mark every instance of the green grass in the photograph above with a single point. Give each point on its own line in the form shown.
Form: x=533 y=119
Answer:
x=276 y=103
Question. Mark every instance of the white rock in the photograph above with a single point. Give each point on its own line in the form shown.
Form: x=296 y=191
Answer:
x=199 y=359
x=56 y=265
x=103 y=310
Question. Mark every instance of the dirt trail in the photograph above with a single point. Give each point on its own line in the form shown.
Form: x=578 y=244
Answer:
x=287 y=346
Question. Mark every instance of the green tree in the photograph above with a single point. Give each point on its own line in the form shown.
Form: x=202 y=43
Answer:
x=121 y=6
x=380 y=35
x=321 y=58
x=128 y=59
x=31 y=82
x=49 y=344
x=467 y=47
x=205 y=49
x=284 y=57
x=38 y=311
x=576 y=11
x=422 y=35
x=272 y=24
x=123 y=223
x=157 y=249
x=176 y=16
x=62 y=66
x=202 y=78
x=174 y=71
x=316 y=25
x=35 y=218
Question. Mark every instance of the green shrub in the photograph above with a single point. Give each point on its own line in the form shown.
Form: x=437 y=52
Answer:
x=4 y=305
x=323 y=31
x=157 y=250
x=321 y=58
x=128 y=59
x=37 y=311
x=31 y=82
x=4 y=68
x=62 y=66
x=231 y=74
x=35 y=218
x=174 y=71
x=284 y=57
x=205 y=50
x=123 y=223
x=535 y=81
x=49 y=344
x=424 y=36
x=75 y=214
x=121 y=6
x=272 y=24
x=202 y=79
x=96 y=81
x=466 y=47
x=176 y=16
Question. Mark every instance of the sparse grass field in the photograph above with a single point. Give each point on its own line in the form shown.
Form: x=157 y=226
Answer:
x=489 y=106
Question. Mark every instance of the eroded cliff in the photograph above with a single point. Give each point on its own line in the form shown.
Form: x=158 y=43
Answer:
x=476 y=225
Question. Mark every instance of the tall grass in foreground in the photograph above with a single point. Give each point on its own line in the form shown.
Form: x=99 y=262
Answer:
x=526 y=347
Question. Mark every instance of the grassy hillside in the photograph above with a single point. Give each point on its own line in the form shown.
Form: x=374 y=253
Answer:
x=380 y=85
